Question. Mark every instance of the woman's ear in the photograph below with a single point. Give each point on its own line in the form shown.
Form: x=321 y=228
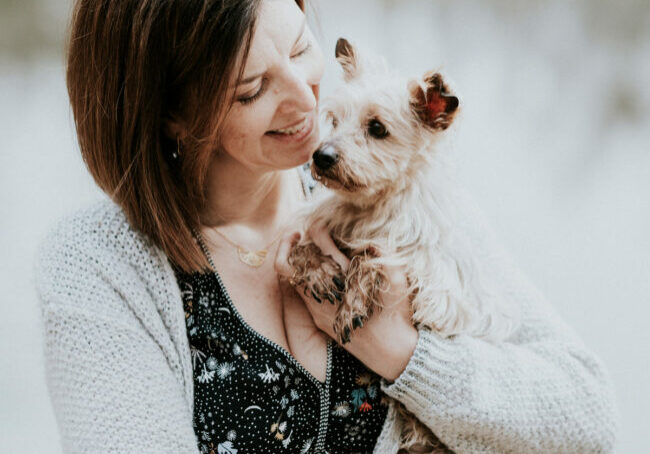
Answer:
x=173 y=128
x=176 y=133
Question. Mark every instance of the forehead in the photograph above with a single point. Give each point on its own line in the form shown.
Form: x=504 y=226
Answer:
x=382 y=96
x=278 y=25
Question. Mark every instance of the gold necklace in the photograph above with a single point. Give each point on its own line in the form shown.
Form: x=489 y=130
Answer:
x=250 y=258
x=256 y=259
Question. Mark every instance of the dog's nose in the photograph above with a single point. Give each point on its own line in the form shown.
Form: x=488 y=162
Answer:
x=326 y=156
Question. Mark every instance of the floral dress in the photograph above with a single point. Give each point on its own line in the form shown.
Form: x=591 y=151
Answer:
x=252 y=396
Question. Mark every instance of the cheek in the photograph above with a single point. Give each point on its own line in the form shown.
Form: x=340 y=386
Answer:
x=258 y=118
x=247 y=124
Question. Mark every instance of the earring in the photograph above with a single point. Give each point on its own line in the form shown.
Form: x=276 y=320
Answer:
x=176 y=154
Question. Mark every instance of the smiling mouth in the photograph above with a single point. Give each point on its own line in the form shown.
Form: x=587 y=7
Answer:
x=299 y=127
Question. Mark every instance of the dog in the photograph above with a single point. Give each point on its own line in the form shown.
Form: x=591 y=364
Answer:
x=388 y=200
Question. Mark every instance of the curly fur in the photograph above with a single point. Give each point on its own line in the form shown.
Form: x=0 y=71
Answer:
x=390 y=202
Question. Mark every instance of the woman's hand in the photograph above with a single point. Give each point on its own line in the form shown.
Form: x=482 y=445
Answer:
x=386 y=341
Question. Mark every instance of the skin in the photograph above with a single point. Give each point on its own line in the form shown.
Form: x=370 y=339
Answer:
x=255 y=190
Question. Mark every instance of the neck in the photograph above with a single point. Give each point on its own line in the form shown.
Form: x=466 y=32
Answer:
x=249 y=205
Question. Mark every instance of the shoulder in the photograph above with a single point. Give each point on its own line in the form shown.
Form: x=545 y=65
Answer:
x=92 y=247
x=99 y=229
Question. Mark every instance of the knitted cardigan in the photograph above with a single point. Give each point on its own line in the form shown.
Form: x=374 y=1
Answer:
x=119 y=372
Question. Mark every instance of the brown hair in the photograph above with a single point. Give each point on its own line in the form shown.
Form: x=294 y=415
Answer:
x=134 y=64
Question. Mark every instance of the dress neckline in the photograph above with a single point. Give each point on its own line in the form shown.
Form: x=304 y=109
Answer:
x=322 y=386
x=330 y=342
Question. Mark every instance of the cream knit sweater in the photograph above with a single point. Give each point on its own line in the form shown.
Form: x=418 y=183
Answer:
x=120 y=378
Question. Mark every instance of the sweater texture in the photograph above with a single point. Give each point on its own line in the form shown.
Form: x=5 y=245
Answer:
x=119 y=369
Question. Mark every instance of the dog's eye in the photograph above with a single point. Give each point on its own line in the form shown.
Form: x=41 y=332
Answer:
x=377 y=129
x=332 y=118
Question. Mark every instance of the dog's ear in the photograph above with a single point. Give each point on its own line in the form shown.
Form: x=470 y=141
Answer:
x=347 y=56
x=432 y=102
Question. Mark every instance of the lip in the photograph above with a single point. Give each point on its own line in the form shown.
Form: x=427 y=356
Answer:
x=295 y=123
x=298 y=137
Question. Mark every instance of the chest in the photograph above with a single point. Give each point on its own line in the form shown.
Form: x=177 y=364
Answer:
x=276 y=312
x=252 y=394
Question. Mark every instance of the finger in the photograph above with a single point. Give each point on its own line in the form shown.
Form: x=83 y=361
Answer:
x=281 y=264
x=322 y=314
x=397 y=295
x=321 y=237
x=397 y=276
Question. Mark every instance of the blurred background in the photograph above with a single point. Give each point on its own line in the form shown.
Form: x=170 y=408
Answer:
x=554 y=144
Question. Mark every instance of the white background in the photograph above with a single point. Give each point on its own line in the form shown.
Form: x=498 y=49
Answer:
x=553 y=142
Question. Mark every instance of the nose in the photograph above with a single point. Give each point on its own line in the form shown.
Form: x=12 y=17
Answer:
x=302 y=82
x=302 y=93
x=325 y=157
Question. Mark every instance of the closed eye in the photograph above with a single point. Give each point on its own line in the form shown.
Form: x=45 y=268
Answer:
x=254 y=97
x=306 y=49
x=250 y=99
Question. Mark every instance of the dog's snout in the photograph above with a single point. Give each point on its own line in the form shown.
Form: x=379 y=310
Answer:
x=326 y=156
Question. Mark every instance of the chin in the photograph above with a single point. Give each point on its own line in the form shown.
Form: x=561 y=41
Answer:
x=298 y=158
x=308 y=150
x=294 y=156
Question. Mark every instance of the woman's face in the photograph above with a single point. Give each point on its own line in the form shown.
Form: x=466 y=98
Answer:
x=273 y=123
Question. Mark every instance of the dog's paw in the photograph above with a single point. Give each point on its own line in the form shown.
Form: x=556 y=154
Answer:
x=352 y=314
x=364 y=281
x=320 y=275
x=348 y=318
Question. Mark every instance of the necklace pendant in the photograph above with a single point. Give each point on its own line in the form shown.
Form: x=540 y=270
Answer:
x=252 y=258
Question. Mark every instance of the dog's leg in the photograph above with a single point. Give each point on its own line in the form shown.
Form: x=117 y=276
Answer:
x=363 y=284
x=321 y=276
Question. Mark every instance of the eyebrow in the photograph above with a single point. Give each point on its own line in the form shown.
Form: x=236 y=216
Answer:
x=250 y=79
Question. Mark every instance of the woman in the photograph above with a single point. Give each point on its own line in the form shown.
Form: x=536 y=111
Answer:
x=166 y=326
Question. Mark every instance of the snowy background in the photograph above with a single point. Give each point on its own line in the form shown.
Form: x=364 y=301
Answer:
x=554 y=143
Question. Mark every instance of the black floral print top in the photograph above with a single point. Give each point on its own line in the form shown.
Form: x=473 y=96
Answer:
x=252 y=396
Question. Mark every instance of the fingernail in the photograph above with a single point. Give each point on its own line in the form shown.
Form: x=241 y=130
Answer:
x=338 y=282
x=316 y=297
x=346 y=334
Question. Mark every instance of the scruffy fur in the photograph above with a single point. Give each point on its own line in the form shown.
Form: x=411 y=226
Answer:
x=388 y=200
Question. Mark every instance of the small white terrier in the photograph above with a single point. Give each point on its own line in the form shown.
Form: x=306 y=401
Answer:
x=388 y=201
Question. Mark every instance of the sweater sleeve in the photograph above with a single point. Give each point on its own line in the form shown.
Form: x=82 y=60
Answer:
x=110 y=384
x=540 y=391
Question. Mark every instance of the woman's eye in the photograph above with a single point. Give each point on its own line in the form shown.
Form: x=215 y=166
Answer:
x=303 y=51
x=376 y=129
x=252 y=98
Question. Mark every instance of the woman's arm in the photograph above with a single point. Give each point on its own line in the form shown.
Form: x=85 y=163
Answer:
x=541 y=391
x=111 y=386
